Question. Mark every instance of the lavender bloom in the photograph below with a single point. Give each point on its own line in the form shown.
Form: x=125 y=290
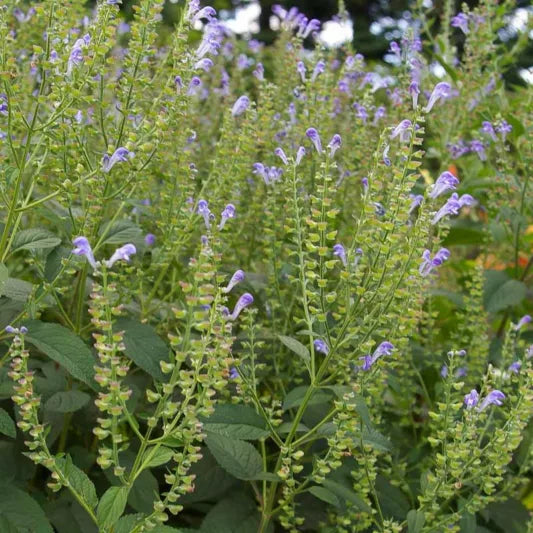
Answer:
x=312 y=25
x=178 y=82
x=207 y=12
x=121 y=254
x=194 y=85
x=479 y=148
x=320 y=67
x=444 y=371
x=229 y=212
x=429 y=264
x=494 y=397
x=235 y=279
x=204 y=64
x=364 y=183
x=379 y=114
x=416 y=200
x=244 y=301
x=441 y=90
x=529 y=352
x=312 y=133
x=76 y=55
x=300 y=67
x=459 y=149
x=334 y=144
x=503 y=128
x=361 y=112
x=515 y=367
x=461 y=372
x=489 y=130
x=240 y=106
x=460 y=21
x=203 y=210
x=321 y=346
x=414 y=91
x=149 y=239
x=300 y=155
x=11 y=330
x=445 y=182
x=120 y=155
x=385 y=348
x=233 y=373
x=340 y=252
x=386 y=159
x=379 y=209
x=194 y=6
x=259 y=72
x=403 y=130
x=82 y=247
x=526 y=319
x=451 y=207
x=471 y=399
x=3 y=105
x=113 y=2
x=21 y=16
x=281 y=154
x=395 y=50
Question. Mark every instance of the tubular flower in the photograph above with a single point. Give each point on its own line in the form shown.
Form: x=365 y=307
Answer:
x=445 y=182
x=441 y=90
x=334 y=144
x=526 y=319
x=471 y=399
x=320 y=67
x=494 y=397
x=403 y=130
x=452 y=206
x=321 y=346
x=121 y=254
x=414 y=91
x=281 y=154
x=385 y=348
x=229 y=212
x=240 y=106
x=120 y=155
x=244 y=301
x=340 y=252
x=82 y=247
x=203 y=210
x=313 y=135
x=429 y=264
x=235 y=279
x=300 y=155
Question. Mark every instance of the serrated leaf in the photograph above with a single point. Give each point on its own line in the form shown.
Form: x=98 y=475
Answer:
x=295 y=397
x=237 y=457
x=415 y=521
x=121 y=232
x=143 y=346
x=17 y=289
x=126 y=523
x=346 y=493
x=22 y=511
x=67 y=401
x=34 y=239
x=4 y=274
x=157 y=457
x=236 y=422
x=510 y=293
x=297 y=347
x=325 y=495
x=144 y=492
x=7 y=426
x=79 y=480
x=111 y=506
x=376 y=440
x=64 y=347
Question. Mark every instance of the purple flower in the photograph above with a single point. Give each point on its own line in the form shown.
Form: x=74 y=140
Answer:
x=334 y=144
x=340 y=252
x=178 y=82
x=203 y=210
x=479 y=148
x=281 y=154
x=300 y=67
x=21 y=16
x=386 y=159
x=113 y=2
x=205 y=13
x=452 y=206
x=529 y=352
x=312 y=134
x=120 y=155
x=149 y=239
x=364 y=183
x=82 y=247
x=3 y=105
x=471 y=399
x=441 y=90
x=379 y=114
x=416 y=200
x=444 y=371
x=204 y=64
x=461 y=372
x=321 y=346
x=489 y=130
x=385 y=348
x=300 y=155
x=235 y=279
x=11 y=330
x=445 y=182
x=312 y=25
x=460 y=21
x=526 y=319
x=240 y=106
x=259 y=72
x=403 y=130
x=379 y=209
x=320 y=67
x=229 y=212
x=76 y=55
x=194 y=6
x=414 y=91
x=122 y=254
x=233 y=373
x=515 y=367
x=494 y=397
x=429 y=264
x=395 y=50
x=194 y=86
x=504 y=128
x=244 y=301
x=361 y=112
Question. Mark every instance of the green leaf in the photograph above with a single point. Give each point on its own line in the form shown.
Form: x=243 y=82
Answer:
x=143 y=346
x=7 y=426
x=17 y=289
x=21 y=512
x=126 y=523
x=415 y=521
x=376 y=440
x=237 y=457
x=325 y=495
x=67 y=402
x=346 y=493
x=393 y=501
x=79 y=480
x=468 y=523
x=4 y=274
x=111 y=506
x=157 y=457
x=506 y=294
x=297 y=347
x=144 y=492
x=34 y=239
x=236 y=422
x=64 y=347
x=122 y=231
x=295 y=397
